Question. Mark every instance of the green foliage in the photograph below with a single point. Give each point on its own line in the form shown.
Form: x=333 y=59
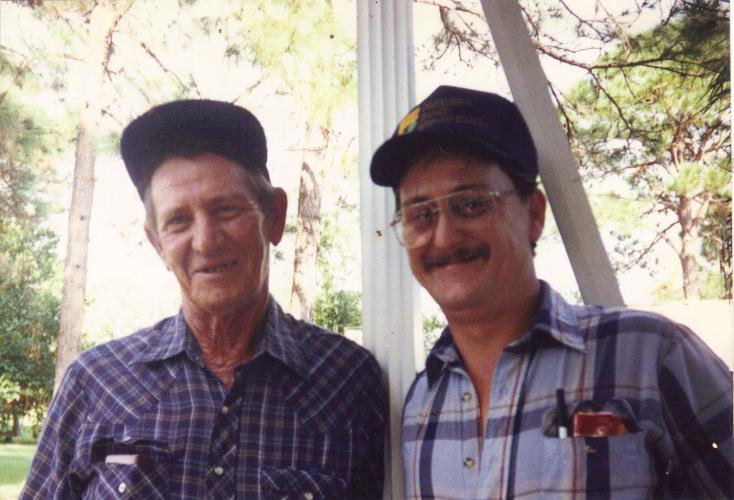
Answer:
x=29 y=308
x=338 y=310
x=432 y=328
x=703 y=37
x=335 y=307
x=30 y=142
x=713 y=286
x=300 y=43
x=622 y=211
x=645 y=120
x=27 y=146
x=667 y=291
x=717 y=239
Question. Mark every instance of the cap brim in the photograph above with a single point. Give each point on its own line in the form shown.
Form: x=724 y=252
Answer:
x=395 y=156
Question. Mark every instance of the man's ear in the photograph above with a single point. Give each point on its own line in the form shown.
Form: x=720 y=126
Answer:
x=536 y=210
x=276 y=218
x=152 y=236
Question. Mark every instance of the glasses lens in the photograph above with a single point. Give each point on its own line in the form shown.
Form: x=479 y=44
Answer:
x=414 y=224
x=471 y=204
x=418 y=215
x=405 y=233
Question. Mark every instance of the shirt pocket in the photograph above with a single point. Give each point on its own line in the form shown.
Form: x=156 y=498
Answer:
x=95 y=477
x=295 y=484
x=619 y=465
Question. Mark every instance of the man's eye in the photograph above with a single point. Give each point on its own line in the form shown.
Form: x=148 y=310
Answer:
x=176 y=223
x=418 y=216
x=471 y=205
x=226 y=210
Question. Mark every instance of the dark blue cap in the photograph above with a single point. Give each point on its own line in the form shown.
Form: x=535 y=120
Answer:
x=191 y=127
x=453 y=116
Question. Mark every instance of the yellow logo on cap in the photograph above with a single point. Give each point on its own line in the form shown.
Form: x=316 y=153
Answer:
x=410 y=121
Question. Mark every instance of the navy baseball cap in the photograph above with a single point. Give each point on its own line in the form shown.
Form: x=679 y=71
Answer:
x=190 y=127
x=454 y=116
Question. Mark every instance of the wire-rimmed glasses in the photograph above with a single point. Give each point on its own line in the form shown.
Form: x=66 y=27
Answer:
x=414 y=224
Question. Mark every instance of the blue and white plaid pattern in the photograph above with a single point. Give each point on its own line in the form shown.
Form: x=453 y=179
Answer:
x=304 y=416
x=659 y=373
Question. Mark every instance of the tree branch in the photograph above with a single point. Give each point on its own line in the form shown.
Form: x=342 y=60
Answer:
x=160 y=64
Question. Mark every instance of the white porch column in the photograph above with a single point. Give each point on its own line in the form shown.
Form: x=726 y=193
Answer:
x=558 y=168
x=390 y=300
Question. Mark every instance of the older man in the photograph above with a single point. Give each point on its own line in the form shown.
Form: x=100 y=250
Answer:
x=231 y=398
x=525 y=395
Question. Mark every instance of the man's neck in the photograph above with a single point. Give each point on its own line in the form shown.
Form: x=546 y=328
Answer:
x=482 y=335
x=226 y=340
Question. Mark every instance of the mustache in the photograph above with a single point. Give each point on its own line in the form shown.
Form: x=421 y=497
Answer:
x=457 y=255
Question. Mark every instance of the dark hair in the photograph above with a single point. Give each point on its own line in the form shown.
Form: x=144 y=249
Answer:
x=471 y=154
x=474 y=154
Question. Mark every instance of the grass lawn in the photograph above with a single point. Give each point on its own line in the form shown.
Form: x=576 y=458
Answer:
x=15 y=460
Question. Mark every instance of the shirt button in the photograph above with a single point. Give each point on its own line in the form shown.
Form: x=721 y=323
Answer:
x=308 y=496
x=224 y=410
x=468 y=463
x=466 y=396
x=122 y=488
x=218 y=470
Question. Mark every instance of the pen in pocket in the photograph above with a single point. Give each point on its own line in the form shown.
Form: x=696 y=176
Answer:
x=561 y=417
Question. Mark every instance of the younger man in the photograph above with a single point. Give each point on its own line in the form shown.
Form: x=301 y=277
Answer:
x=525 y=395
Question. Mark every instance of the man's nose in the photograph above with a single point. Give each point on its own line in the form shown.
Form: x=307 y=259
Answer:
x=206 y=235
x=446 y=232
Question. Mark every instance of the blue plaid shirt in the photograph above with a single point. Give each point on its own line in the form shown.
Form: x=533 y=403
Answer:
x=304 y=419
x=676 y=395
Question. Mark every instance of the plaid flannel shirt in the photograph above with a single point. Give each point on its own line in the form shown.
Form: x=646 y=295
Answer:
x=304 y=419
x=676 y=395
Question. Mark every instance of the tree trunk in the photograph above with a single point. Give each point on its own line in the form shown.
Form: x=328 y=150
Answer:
x=103 y=20
x=308 y=230
x=689 y=236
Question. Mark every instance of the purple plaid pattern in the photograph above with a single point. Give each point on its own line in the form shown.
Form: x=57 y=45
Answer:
x=305 y=416
x=677 y=394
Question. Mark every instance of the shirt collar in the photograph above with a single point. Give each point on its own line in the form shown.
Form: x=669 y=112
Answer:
x=443 y=354
x=556 y=319
x=279 y=340
x=167 y=339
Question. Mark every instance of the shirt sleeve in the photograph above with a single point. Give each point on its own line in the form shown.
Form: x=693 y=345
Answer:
x=369 y=480
x=696 y=391
x=49 y=474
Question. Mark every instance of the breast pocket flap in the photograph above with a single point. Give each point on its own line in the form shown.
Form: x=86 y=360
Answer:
x=301 y=484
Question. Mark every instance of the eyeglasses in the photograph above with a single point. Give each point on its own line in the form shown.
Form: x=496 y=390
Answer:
x=414 y=224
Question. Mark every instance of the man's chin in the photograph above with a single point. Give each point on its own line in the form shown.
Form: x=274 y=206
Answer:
x=454 y=302
x=451 y=295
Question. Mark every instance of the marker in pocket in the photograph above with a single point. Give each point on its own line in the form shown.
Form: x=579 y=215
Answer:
x=561 y=415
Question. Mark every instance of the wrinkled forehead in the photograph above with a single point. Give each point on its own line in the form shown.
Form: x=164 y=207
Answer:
x=201 y=177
